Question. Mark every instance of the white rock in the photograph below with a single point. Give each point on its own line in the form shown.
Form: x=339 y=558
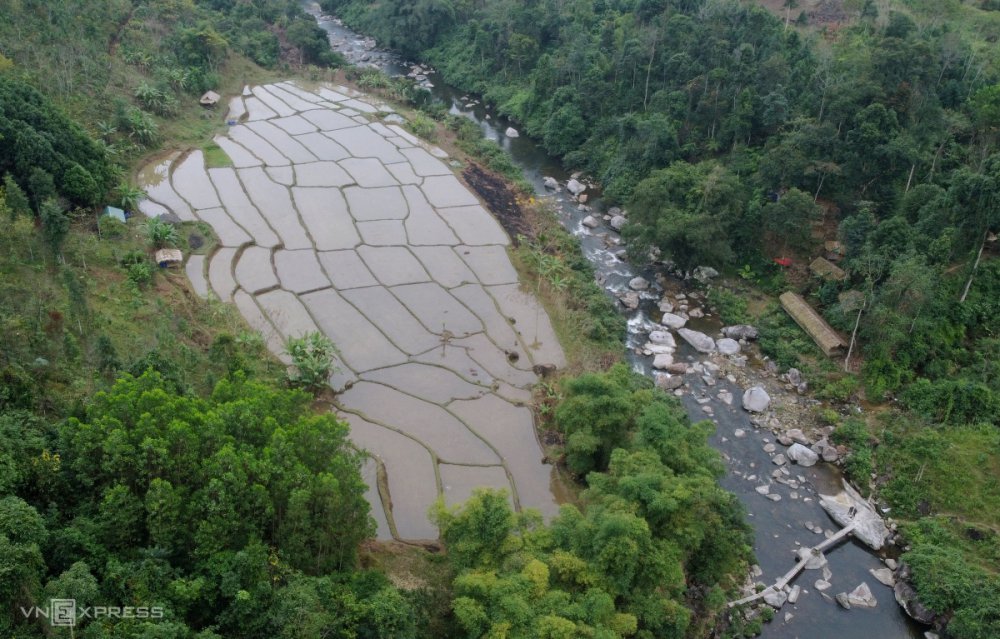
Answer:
x=673 y=321
x=550 y=183
x=638 y=284
x=591 y=222
x=848 y=506
x=755 y=399
x=862 y=597
x=793 y=594
x=511 y=132
x=763 y=490
x=617 y=222
x=701 y=342
x=704 y=273
x=802 y=455
x=662 y=337
x=779 y=460
x=649 y=348
x=630 y=300
x=575 y=187
x=727 y=346
x=662 y=361
x=884 y=576
x=775 y=598
x=796 y=435
x=821 y=585
x=814 y=561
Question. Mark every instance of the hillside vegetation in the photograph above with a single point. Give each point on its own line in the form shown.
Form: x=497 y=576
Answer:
x=734 y=137
x=151 y=459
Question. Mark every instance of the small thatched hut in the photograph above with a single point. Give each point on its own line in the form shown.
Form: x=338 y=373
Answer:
x=822 y=267
x=167 y=257
x=813 y=323
x=210 y=99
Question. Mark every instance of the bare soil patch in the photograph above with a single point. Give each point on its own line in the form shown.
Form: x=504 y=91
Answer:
x=501 y=199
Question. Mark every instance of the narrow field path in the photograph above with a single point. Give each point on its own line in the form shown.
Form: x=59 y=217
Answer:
x=332 y=219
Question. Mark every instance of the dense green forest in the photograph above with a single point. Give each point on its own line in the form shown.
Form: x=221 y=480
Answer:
x=653 y=553
x=734 y=136
x=697 y=115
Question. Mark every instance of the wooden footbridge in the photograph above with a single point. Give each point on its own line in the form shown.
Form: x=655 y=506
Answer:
x=814 y=554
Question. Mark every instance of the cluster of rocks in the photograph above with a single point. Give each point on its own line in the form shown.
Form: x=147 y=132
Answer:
x=470 y=103
x=418 y=73
x=576 y=187
x=860 y=597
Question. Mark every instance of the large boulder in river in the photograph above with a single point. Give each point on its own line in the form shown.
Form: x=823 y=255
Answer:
x=669 y=382
x=662 y=361
x=550 y=183
x=776 y=598
x=638 y=283
x=906 y=596
x=662 y=337
x=701 y=342
x=591 y=222
x=885 y=576
x=673 y=321
x=802 y=455
x=617 y=222
x=511 y=132
x=630 y=300
x=756 y=399
x=862 y=597
x=849 y=507
x=740 y=331
x=728 y=346
x=575 y=187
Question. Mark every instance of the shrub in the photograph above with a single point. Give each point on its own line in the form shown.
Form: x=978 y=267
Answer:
x=859 y=466
x=140 y=274
x=840 y=389
x=953 y=401
x=731 y=307
x=423 y=126
x=312 y=357
x=160 y=234
x=110 y=227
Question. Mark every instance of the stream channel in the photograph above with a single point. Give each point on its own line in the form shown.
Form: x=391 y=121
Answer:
x=779 y=526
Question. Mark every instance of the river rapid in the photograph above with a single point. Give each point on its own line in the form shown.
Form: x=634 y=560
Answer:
x=780 y=526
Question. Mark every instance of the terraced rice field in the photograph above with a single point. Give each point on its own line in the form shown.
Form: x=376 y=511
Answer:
x=331 y=219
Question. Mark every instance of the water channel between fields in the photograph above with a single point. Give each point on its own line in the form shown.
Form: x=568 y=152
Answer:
x=779 y=526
